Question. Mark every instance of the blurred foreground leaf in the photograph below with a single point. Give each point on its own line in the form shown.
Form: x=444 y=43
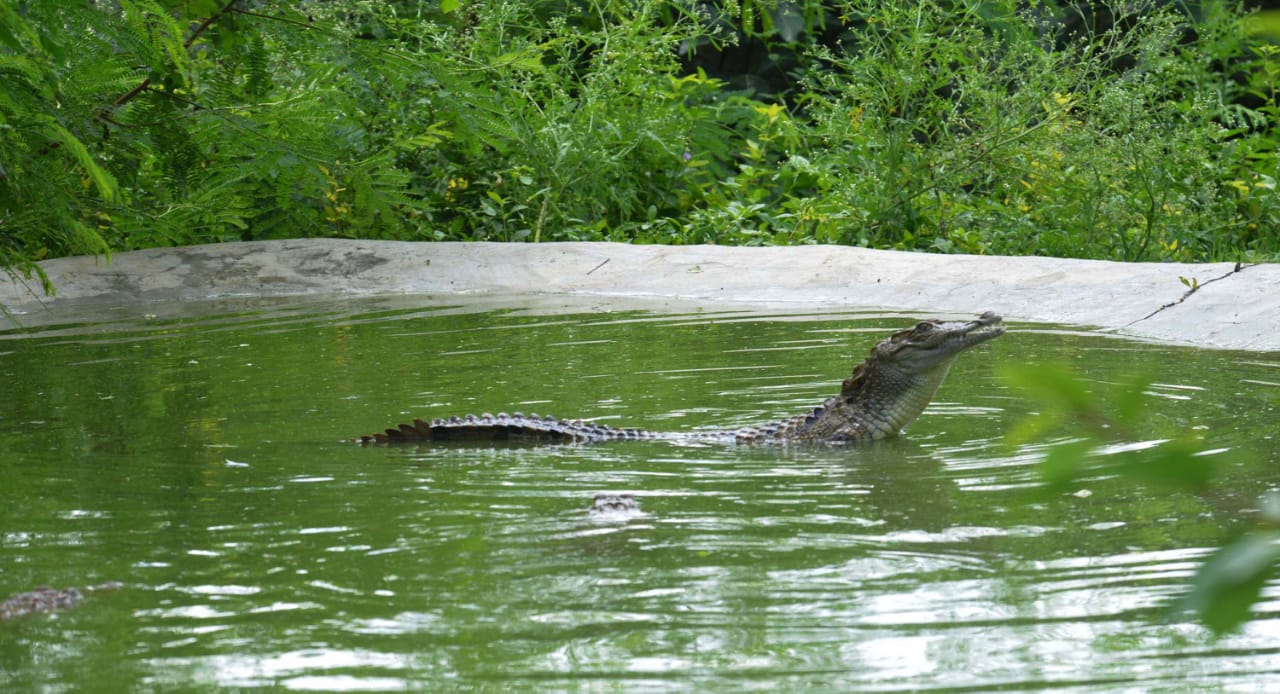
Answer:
x=1178 y=463
x=1231 y=580
x=1062 y=464
x=1053 y=385
x=1102 y=443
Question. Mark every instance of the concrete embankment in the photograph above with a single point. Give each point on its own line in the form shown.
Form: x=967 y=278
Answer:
x=1211 y=305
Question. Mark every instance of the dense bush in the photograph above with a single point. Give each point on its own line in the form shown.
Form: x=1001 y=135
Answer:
x=990 y=127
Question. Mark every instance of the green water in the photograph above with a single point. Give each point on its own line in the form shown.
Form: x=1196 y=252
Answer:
x=198 y=459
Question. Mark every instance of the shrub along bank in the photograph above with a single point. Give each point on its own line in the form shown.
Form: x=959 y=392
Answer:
x=1133 y=131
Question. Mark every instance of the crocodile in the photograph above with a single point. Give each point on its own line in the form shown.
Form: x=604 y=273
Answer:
x=885 y=393
x=46 y=599
x=614 y=506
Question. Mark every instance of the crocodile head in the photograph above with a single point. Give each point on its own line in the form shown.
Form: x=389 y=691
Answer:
x=933 y=343
x=898 y=379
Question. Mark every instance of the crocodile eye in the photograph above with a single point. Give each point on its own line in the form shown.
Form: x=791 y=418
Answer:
x=924 y=327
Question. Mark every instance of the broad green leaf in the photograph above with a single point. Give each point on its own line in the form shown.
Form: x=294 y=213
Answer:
x=1034 y=427
x=1173 y=463
x=1231 y=580
x=1265 y=23
x=1269 y=505
x=1052 y=384
x=1128 y=403
x=1064 y=463
x=447 y=6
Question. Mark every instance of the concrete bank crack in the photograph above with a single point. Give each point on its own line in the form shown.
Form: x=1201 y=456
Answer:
x=1192 y=287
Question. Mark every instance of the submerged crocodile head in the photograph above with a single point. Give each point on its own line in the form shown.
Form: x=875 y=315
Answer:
x=893 y=386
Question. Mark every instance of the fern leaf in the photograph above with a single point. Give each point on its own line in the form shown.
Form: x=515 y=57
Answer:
x=162 y=32
x=105 y=182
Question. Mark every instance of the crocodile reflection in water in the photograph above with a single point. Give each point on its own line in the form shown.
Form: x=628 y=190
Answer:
x=886 y=392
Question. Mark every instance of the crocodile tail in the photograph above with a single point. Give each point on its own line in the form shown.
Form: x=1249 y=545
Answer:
x=500 y=427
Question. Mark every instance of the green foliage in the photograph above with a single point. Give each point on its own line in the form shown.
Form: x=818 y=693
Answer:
x=1099 y=443
x=954 y=127
x=1002 y=146
x=50 y=183
x=141 y=132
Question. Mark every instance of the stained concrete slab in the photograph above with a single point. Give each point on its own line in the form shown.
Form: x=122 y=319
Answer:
x=1219 y=305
